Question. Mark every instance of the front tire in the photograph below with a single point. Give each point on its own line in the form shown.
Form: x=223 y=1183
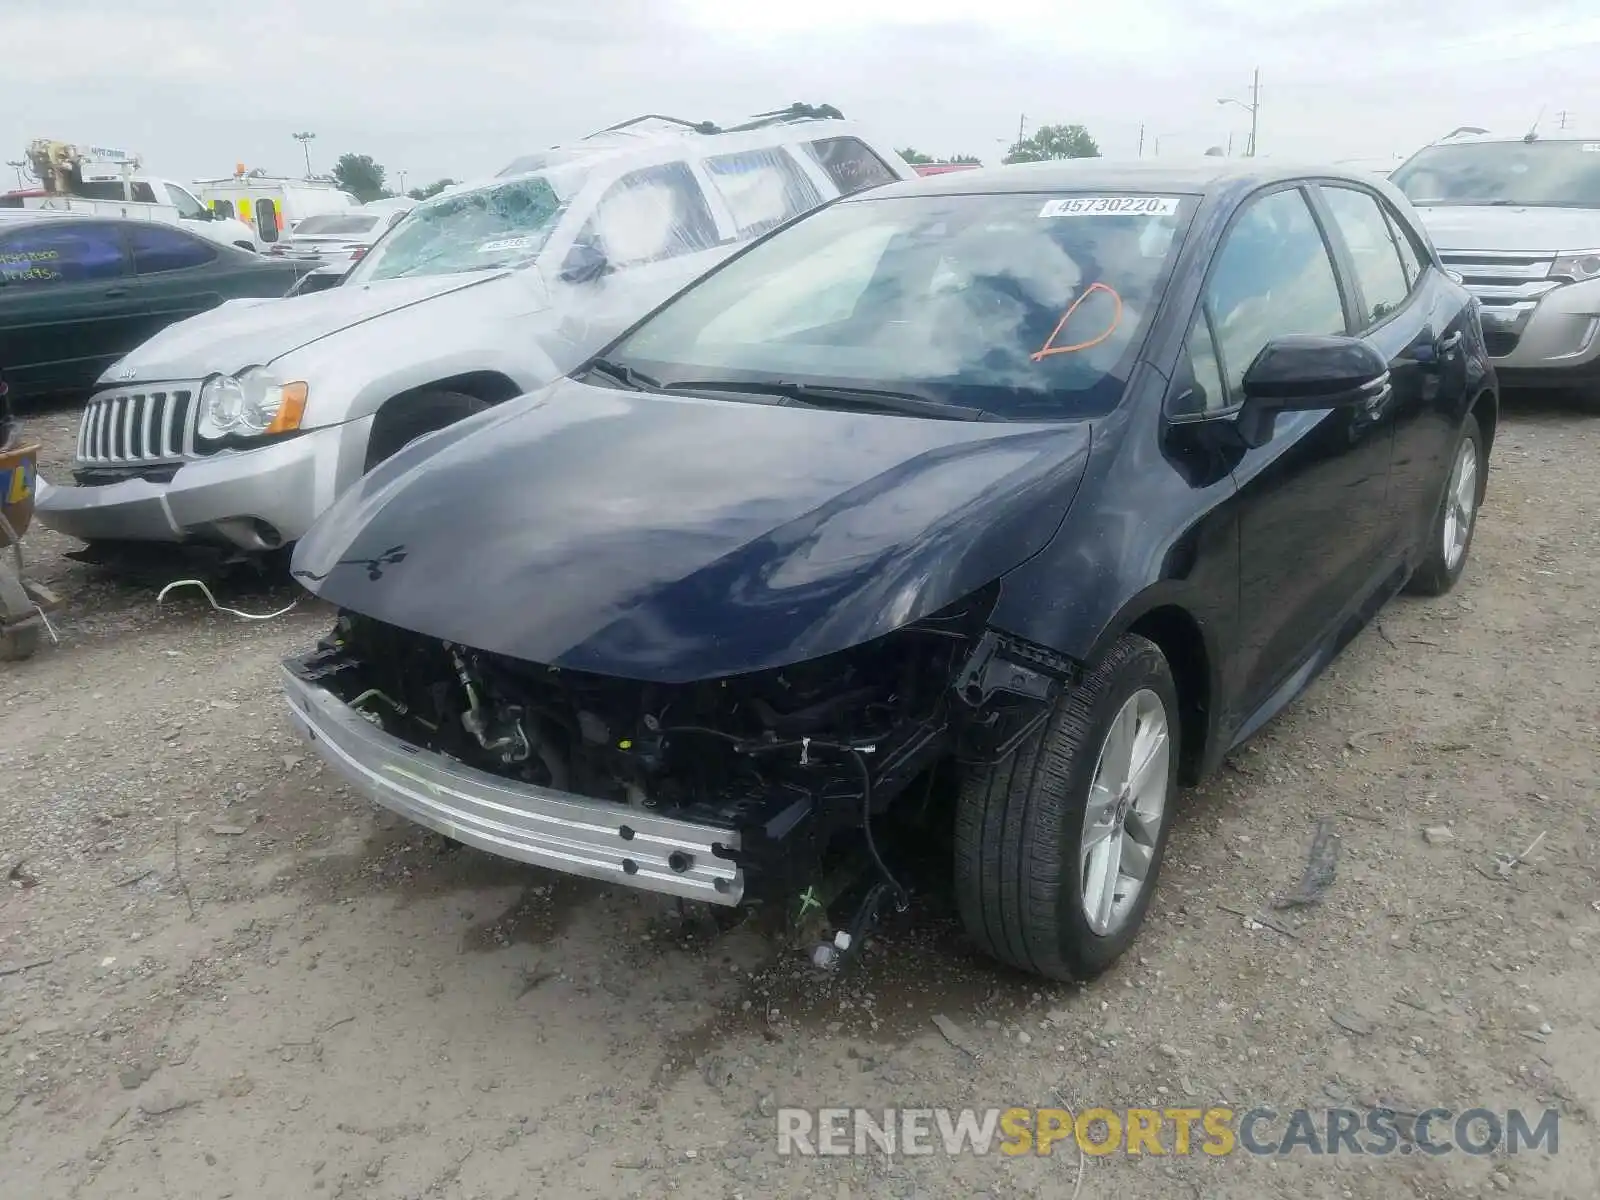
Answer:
x=1057 y=850
x=401 y=422
x=1450 y=537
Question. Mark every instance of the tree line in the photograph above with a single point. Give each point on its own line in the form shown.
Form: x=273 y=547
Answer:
x=363 y=178
x=1046 y=142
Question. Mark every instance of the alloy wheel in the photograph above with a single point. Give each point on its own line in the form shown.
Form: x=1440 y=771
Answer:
x=1461 y=503
x=1122 y=819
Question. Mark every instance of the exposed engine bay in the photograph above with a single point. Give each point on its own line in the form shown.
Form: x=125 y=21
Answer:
x=784 y=756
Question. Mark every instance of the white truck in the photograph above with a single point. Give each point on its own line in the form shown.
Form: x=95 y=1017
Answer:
x=108 y=182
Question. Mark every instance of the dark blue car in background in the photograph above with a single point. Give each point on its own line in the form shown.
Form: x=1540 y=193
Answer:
x=1033 y=490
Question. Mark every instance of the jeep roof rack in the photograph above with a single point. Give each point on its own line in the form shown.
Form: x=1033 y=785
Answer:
x=780 y=116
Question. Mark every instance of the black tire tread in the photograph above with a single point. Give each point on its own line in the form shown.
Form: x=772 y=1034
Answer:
x=1009 y=866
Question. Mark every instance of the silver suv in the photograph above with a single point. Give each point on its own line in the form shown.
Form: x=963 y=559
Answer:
x=1518 y=218
x=240 y=426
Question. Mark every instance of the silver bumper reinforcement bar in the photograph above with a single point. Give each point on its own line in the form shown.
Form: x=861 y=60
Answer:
x=549 y=828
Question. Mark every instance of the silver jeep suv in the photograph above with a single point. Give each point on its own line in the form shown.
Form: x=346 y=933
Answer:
x=239 y=426
x=1518 y=218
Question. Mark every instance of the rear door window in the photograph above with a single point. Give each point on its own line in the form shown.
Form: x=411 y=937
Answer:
x=651 y=215
x=762 y=188
x=267 y=220
x=1370 y=239
x=850 y=163
x=1411 y=256
x=157 y=248
x=43 y=256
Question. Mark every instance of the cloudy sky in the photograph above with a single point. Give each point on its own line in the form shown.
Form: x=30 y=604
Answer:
x=458 y=87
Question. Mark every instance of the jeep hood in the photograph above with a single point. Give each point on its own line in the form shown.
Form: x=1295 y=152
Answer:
x=1461 y=227
x=254 y=332
x=673 y=538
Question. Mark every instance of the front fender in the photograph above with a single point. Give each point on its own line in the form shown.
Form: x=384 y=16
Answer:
x=353 y=374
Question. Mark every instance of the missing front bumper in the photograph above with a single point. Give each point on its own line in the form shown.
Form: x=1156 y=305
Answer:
x=548 y=828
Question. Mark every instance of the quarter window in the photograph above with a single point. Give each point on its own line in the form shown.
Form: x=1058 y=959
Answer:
x=762 y=188
x=1207 y=393
x=81 y=254
x=1272 y=277
x=1372 y=247
x=850 y=163
x=157 y=248
x=652 y=215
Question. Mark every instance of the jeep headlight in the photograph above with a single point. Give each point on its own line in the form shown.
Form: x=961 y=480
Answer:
x=248 y=405
x=1576 y=265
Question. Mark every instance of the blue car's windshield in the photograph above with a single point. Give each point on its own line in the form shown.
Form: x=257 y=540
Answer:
x=1024 y=306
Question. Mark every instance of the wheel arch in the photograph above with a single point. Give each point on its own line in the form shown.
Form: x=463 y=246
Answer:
x=1486 y=409
x=1190 y=653
x=492 y=387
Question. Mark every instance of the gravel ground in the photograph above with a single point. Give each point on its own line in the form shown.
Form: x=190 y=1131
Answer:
x=225 y=975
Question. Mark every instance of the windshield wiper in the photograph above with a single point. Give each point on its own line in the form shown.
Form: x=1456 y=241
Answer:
x=821 y=395
x=621 y=373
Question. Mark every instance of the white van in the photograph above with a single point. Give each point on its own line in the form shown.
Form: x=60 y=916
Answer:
x=272 y=206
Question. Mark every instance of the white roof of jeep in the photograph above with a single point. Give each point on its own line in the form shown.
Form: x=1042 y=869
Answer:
x=653 y=135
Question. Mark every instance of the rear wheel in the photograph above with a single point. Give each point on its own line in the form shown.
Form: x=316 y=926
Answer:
x=403 y=420
x=1057 y=850
x=1457 y=518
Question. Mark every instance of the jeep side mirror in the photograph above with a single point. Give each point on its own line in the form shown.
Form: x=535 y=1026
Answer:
x=586 y=262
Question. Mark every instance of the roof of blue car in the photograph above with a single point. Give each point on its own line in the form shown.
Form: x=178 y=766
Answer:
x=1194 y=176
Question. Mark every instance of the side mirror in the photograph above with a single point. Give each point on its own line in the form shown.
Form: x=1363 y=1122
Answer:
x=1309 y=371
x=585 y=262
x=314 y=281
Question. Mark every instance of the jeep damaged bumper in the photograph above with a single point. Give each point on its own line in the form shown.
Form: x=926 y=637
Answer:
x=534 y=824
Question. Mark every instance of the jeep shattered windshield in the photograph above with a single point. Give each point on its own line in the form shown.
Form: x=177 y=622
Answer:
x=1026 y=307
x=480 y=230
x=1535 y=174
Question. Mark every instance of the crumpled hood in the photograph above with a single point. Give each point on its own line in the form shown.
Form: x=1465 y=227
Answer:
x=1457 y=227
x=244 y=333
x=672 y=538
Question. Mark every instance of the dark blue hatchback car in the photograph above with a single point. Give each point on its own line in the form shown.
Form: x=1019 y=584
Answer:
x=1052 y=482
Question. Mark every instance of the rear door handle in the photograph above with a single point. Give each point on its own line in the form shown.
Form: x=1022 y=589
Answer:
x=116 y=293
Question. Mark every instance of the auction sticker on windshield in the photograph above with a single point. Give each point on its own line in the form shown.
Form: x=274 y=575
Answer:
x=510 y=243
x=1112 y=206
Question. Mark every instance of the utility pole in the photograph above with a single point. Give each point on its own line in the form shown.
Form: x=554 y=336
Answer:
x=305 y=144
x=402 y=183
x=1022 y=126
x=1253 y=108
x=1141 y=141
x=1562 y=117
